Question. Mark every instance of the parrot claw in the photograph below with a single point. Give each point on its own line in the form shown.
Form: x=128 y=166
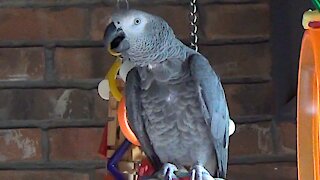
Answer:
x=167 y=171
x=198 y=172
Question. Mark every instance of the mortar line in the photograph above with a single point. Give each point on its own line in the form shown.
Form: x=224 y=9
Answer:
x=275 y=136
x=50 y=74
x=109 y=3
x=94 y=123
x=45 y=145
x=91 y=84
x=256 y=39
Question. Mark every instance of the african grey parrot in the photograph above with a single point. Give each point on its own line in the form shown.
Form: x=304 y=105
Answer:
x=175 y=102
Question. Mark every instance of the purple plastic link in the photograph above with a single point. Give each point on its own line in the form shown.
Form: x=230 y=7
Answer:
x=115 y=158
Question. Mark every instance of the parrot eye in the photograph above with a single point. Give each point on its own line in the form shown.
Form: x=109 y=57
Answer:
x=137 y=21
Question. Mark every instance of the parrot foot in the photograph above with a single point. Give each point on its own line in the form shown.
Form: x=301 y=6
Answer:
x=167 y=171
x=198 y=172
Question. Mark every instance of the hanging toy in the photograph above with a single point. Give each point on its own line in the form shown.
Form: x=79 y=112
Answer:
x=308 y=105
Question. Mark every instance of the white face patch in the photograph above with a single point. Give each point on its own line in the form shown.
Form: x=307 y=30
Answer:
x=150 y=38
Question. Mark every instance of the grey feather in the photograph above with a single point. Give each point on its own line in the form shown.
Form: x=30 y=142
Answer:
x=214 y=105
x=136 y=121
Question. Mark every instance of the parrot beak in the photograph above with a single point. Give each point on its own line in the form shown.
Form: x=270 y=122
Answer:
x=114 y=39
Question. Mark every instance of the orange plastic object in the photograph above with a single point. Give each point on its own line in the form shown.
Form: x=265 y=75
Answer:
x=308 y=115
x=124 y=125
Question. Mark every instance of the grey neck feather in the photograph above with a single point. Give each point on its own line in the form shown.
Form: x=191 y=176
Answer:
x=153 y=49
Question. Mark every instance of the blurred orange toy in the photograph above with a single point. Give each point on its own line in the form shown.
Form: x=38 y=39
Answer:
x=124 y=125
x=308 y=110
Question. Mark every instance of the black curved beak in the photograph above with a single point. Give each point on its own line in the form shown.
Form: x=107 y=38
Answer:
x=113 y=38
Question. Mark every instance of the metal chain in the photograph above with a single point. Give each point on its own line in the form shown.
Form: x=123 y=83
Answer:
x=193 y=22
x=119 y=4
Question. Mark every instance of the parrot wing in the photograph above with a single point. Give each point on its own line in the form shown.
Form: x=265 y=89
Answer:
x=135 y=118
x=214 y=107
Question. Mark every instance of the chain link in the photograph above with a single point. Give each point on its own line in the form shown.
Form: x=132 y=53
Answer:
x=193 y=22
x=119 y=3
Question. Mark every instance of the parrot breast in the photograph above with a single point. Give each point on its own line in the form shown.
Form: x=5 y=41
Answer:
x=175 y=123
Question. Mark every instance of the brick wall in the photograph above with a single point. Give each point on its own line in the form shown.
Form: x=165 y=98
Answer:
x=52 y=57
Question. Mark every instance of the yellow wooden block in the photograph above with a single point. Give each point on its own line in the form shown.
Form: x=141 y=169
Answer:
x=112 y=131
x=113 y=103
x=127 y=156
x=112 y=107
x=130 y=176
x=110 y=153
x=137 y=154
x=126 y=167
x=121 y=136
x=112 y=113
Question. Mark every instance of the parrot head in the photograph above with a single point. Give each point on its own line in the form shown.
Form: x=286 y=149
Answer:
x=138 y=35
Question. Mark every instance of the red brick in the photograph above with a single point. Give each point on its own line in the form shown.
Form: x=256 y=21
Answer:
x=236 y=21
x=42 y=24
x=45 y=104
x=41 y=175
x=249 y=99
x=176 y=16
x=82 y=63
x=66 y=24
x=279 y=171
x=229 y=1
x=75 y=143
x=100 y=174
x=21 y=63
x=251 y=139
x=74 y=104
x=20 y=145
x=46 y=3
x=288 y=137
x=239 y=60
x=99 y=20
x=100 y=107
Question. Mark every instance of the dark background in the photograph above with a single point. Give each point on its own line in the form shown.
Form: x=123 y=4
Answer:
x=286 y=36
